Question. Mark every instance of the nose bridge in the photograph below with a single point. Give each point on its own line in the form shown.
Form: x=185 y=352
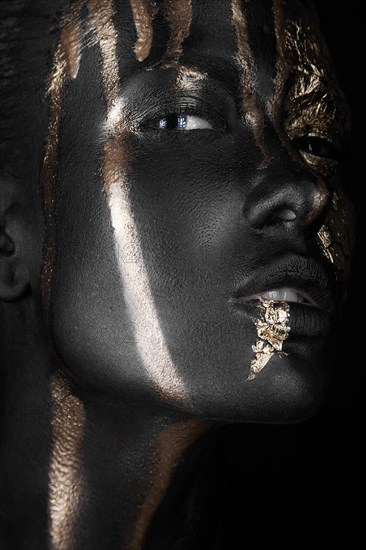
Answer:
x=285 y=190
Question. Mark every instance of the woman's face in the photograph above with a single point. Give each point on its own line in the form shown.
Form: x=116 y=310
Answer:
x=197 y=238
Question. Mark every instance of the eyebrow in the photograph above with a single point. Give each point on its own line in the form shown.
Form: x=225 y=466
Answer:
x=220 y=68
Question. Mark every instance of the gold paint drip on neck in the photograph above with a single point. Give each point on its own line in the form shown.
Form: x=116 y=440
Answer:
x=65 y=485
x=143 y=12
x=247 y=70
x=272 y=331
x=168 y=450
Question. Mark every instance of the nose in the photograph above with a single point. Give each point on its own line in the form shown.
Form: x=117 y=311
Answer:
x=285 y=193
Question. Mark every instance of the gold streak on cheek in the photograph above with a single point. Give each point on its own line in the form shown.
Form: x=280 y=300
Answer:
x=272 y=331
x=65 y=485
x=149 y=337
x=144 y=12
x=247 y=69
x=148 y=334
x=168 y=450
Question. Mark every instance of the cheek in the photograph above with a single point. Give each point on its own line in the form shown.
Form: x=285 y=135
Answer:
x=141 y=290
x=91 y=325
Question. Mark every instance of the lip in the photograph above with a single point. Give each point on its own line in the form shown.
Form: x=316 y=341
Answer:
x=305 y=276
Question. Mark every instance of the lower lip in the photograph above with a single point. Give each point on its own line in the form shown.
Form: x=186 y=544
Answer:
x=304 y=320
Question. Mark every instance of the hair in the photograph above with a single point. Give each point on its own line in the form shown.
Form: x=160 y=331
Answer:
x=28 y=33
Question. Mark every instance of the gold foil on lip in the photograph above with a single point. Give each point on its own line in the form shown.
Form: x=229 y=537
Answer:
x=272 y=331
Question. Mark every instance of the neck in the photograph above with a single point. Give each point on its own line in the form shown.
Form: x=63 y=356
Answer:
x=114 y=461
x=101 y=466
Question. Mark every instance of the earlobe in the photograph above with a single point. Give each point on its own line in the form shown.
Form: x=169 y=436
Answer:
x=14 y=275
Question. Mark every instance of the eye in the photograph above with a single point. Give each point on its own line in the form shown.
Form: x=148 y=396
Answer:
x=182 y=122
x=317 y=147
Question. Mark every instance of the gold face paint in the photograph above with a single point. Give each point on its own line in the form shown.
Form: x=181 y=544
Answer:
x=68 y=413
x=169 y=447
x=316 y=107
x=65 y=69
x=148 y=334
x=247 y=69
x=101 y=16
x=282 y=69
x=189 y=78
x=144 y=12
x=335 y=237
x=272 y=331
x=179 y=16
x=65 y=487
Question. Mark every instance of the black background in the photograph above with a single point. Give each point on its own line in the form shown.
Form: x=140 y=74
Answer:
x=303 y=486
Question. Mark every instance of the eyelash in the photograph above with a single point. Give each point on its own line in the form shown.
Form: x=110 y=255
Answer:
x=187 y=109
x=317 y=147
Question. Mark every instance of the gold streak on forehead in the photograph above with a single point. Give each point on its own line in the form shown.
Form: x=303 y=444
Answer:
x=101 y=14
x=65 y=484
x=282 y=68
x=168 y=450
x=144 y=12
x=179 y=16
x=247 y=70
x=272 y=331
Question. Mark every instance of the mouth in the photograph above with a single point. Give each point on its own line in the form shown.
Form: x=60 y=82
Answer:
x=284 y=294
x=303 y=285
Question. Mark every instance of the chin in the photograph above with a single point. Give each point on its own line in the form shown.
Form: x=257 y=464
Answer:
x=286 y=391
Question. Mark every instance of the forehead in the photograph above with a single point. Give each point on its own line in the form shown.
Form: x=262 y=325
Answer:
x=207 y=34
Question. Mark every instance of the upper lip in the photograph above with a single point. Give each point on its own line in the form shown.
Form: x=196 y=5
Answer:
x=306 y=276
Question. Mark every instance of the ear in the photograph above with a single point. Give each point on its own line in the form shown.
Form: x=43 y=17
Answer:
x=14 y=272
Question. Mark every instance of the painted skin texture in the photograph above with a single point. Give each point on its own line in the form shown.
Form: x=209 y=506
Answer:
x=151 y=238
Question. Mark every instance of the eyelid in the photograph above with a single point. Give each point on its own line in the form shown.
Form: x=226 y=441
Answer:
x=197 y=108
x=331 y=152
